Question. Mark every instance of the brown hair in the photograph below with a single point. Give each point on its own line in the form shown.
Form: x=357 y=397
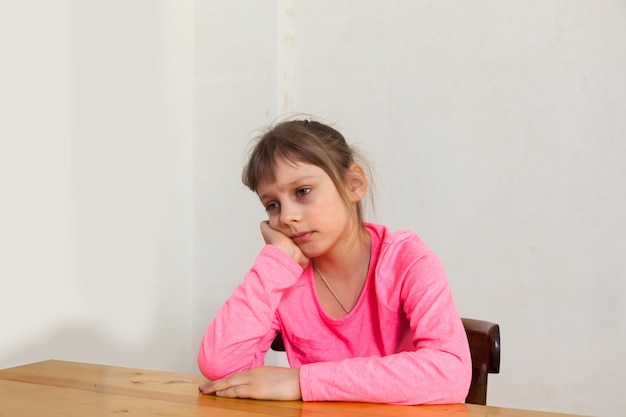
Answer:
x=305 y=141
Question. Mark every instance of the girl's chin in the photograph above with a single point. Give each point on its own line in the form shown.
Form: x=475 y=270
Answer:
x=308 y=252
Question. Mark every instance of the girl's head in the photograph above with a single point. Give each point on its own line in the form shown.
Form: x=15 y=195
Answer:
x=309 y=142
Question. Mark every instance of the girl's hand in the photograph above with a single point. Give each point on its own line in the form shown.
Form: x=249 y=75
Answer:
x=262 y=383
x=284 y=243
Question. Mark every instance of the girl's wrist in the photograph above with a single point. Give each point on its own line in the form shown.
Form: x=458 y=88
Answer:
x=296 y=254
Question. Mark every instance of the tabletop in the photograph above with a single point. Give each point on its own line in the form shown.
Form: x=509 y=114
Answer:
x=71 y=389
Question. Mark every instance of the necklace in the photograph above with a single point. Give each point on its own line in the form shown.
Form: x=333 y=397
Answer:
x=343 y=306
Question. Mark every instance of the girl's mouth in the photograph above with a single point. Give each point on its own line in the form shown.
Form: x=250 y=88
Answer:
x=301 y=238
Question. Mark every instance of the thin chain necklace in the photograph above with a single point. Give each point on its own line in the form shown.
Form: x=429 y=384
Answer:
x=343 y=306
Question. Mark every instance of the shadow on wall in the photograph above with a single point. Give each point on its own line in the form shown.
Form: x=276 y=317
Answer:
x=84 y=342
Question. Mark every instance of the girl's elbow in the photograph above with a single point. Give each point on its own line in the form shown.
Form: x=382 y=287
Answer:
x=211 y=369
x=456 y=383
x=217 y=366
x=461 y=382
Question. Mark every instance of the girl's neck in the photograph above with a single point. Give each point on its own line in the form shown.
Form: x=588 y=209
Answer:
x=349 y=261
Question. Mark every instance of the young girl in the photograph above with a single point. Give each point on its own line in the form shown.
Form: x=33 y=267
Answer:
x=365 y=314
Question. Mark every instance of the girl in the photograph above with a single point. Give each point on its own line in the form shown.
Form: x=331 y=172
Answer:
x=365 y=314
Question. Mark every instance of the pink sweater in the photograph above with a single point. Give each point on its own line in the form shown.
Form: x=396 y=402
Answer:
x=402 y=343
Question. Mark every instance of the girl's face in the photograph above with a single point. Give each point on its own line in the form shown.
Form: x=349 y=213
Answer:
x=304 y=204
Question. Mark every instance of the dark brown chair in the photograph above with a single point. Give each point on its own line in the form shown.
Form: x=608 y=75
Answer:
x=484 y=343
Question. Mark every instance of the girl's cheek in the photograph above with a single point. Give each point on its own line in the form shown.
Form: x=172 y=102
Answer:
x=274 y=223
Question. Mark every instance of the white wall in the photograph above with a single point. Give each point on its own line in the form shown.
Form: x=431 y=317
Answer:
x=96 y=130
x=235 y=88
x=496 y=130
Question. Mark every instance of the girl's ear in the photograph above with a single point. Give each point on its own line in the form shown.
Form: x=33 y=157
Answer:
x=356 y=183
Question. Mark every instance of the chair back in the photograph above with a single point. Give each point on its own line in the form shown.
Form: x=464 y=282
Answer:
x=484 y=343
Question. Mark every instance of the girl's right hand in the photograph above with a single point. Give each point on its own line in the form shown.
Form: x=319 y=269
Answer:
x=283 y=242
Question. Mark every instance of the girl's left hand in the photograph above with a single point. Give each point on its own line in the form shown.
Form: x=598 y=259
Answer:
x=261 y=383
x=283 y=242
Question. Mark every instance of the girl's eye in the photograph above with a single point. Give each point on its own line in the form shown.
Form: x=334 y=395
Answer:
x=271 y=206
x=303 y=191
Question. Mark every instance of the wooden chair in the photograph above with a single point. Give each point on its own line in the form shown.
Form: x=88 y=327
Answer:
x=484 y=343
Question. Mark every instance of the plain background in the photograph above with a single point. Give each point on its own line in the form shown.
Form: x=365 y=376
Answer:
x=496 y=131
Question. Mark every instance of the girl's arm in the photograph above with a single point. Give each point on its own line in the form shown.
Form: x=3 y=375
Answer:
x=437 y=370
x=244 y=327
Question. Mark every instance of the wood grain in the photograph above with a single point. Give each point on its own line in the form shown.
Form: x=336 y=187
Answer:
x=71 y=389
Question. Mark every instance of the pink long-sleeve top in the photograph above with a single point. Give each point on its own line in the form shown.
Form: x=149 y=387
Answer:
x=402 y=343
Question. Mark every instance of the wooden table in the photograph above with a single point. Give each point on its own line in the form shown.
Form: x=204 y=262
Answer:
x=70 y=389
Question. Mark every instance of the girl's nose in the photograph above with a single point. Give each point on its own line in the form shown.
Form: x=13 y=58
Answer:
x=289 y=213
